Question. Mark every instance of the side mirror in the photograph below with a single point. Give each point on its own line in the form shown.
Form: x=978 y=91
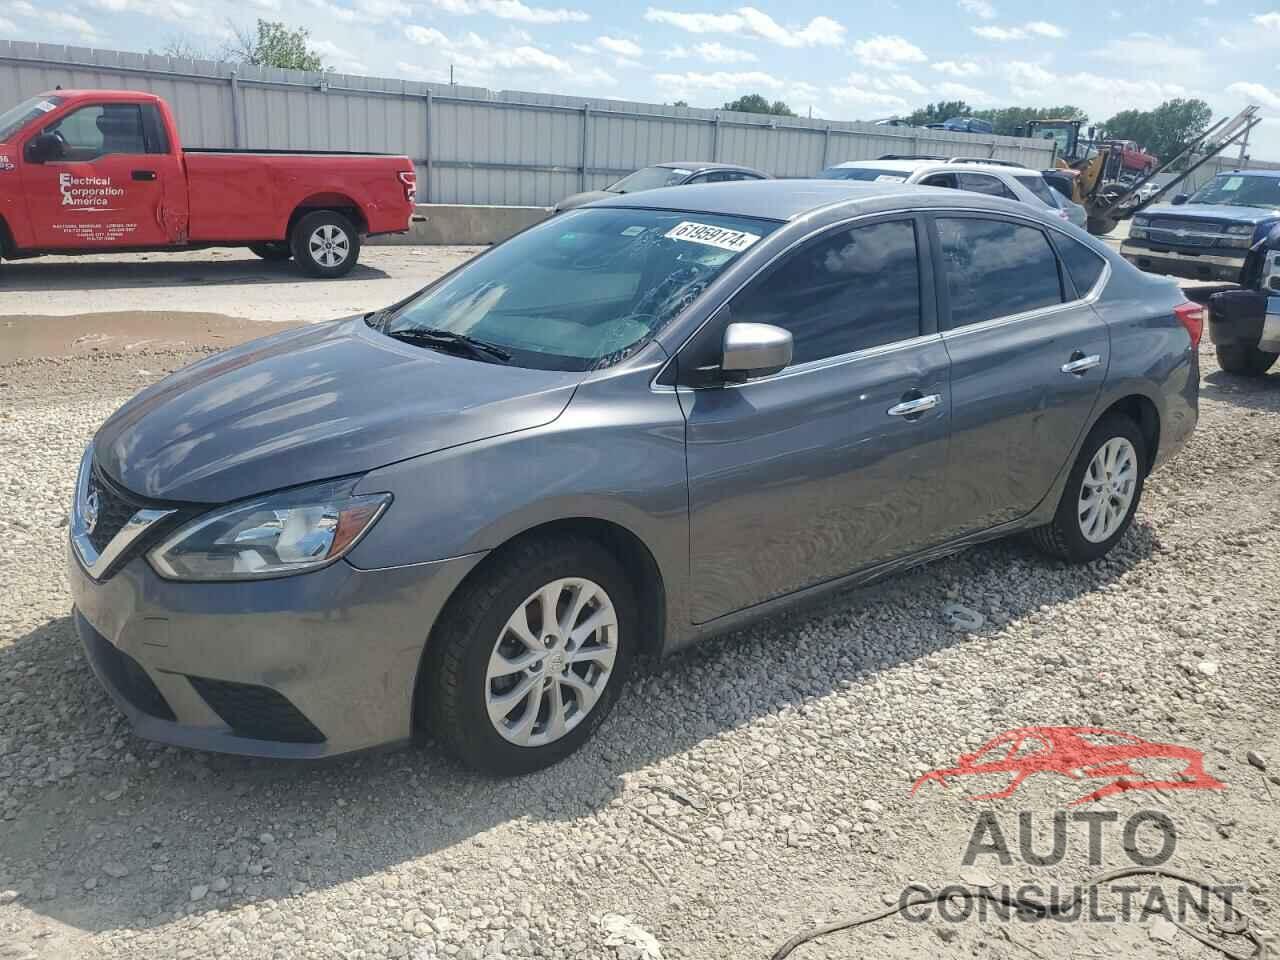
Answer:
x=754 y=350
x=42 y=148
x=1179 y=199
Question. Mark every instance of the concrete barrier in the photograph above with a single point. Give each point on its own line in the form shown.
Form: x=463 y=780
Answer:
x=456 y=223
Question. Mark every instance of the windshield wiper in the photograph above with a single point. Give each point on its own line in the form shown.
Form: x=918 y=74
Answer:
x=449 y=339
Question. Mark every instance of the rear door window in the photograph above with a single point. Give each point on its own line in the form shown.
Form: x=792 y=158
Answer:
x=984 y=183
x=996 y=268
x=1041 y=189
x=1083 y=265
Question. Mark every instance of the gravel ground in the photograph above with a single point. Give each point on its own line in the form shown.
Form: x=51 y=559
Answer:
x=742 y=791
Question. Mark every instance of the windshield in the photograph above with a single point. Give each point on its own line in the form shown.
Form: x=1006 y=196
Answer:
x=1061 y=136
x=650 y=178
x=863 y=173
x=11 y=121
x=585 y=289
x=1239 y=191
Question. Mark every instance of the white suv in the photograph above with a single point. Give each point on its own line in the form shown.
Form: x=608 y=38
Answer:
x=995 y=179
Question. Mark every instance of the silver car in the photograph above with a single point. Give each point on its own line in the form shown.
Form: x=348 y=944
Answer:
x=635 y=425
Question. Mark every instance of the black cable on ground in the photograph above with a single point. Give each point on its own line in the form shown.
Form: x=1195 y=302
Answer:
x=1241 y=928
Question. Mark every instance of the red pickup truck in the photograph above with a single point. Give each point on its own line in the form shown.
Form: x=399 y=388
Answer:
x=1134 y=157
x=83 y=171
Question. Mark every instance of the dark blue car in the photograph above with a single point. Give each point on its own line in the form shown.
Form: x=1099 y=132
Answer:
x=1207 y=236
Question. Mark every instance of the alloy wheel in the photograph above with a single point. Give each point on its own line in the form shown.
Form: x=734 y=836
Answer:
x=1107 y=490
x=329 y=245
x=551 y=662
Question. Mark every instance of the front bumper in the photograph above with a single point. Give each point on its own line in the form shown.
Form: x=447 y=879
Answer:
x=1188 y=265
x=300 y=667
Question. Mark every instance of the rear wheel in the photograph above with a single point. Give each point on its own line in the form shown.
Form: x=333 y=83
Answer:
x=274 y=250
x=1101 y=495
x=325 y=244
x=528 y=658
x=1245 y=361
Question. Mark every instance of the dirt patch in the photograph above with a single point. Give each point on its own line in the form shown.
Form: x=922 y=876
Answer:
x=129 y=331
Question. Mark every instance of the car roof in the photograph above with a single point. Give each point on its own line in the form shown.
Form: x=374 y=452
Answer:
x=790 y=199
x=704 y=165
x=1248 y=173
x=118 y=95
x=912 y=166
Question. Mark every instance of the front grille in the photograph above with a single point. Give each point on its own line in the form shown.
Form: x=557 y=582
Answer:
x=123 y=673
x=256 y=712
x=1196 y=233
x=114 y=511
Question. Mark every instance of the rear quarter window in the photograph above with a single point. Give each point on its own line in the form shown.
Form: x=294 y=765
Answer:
x=1083 y=266
x=1041 y=189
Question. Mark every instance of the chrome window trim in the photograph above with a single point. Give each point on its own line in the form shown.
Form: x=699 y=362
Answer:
x=1092 y=297
x=96 y=564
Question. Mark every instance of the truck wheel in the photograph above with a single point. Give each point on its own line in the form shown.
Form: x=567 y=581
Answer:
x=325 y=244
x=275 y=250
x=1245 y=361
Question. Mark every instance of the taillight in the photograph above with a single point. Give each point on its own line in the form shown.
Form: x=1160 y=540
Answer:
x=1191 y=315
x=409 y=179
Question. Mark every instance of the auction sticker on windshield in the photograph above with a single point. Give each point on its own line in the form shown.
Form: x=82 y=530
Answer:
x=712 y=236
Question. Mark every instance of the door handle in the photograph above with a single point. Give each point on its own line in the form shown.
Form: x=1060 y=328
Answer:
x=1080 y=364
x=144 y=174
x=915 y=407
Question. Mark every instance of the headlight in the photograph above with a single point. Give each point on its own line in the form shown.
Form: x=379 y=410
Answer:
x=1137 y=233
x=272 y=536
x=1240 y=230
x=1141 y=221
x=1235 y=241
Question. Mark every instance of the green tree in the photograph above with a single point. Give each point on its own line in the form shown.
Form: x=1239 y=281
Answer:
x=1008 y=121
x=1164 y=131
x=939 y=112
x=755 y=103
x=681 y=103
x=274 y=45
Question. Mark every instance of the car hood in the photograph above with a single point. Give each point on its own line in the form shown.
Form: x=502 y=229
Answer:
x=321 y=401
x=1211 y=211
x=579 y=199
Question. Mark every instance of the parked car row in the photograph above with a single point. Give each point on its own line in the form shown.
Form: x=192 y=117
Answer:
x=996 y=178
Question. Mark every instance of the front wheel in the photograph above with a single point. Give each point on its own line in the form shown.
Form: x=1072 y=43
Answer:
x=325 y=244
x=1102 y=493
x=1245 y=361
x=528 y=657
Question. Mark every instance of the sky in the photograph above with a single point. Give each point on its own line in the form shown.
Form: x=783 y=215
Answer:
x=855 y=61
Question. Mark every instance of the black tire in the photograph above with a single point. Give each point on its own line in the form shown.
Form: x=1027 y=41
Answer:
x=274 y=251
x=1063 y=537
x=1245 y=361
x=316 y=261
x=453 y=686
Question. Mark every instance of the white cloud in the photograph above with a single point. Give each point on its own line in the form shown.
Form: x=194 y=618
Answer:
x=1269 y=20
x=888 y=51
x=57 y=19
x=483 y=56
x=512 y=10
x=337 y=57
x=1036 y=28
x=961 y=91
x=1144 y=50
x=959 y=68
x=8 y=26
x=1256 y=92
x=907 y=84
x=856 y=92
x=748 y=21
x=711 y=52
x=620 y=46
x=718 y=80
x=1100 y=94
x=979 y=8
x=1042 y=28
x=1028 y=78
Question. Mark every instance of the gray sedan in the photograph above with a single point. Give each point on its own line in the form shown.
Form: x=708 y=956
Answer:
x=676 y=173
x=639 y=424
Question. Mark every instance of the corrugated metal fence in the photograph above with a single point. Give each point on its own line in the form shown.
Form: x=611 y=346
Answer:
x=470 y=144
